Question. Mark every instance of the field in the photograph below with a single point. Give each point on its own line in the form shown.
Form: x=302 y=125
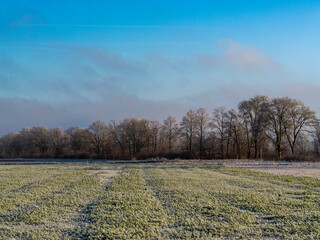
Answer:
x=155 y=201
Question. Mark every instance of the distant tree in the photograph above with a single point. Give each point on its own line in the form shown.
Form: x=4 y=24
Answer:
x=278 y=115
x=188 y=128
x=154 y=128
x=170 y=130
x=58 y=140
x=26 y=141
x=40 y=138
x=253 y=112
x=303 y=144
x=8 y=145
x=79 y=140
x=202 y=126
x=137 y=133
x=300 y=119
x=316 y=136
x=115 y=139
x=219 y=125
x=99 y=136
x=273 y=127
x=235 y=132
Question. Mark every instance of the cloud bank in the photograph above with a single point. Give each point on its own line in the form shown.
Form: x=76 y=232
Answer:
x=66 y=85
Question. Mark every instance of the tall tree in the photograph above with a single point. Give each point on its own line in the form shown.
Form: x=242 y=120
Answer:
x=316 y=136
x=155 y=127
x=218 y=123
x=40 y=138
x=99 y=136
x=253 y=112
x=300 y=119
x=170 y=129
x=202 y=125
x=137 y=132
x=120 y=138
x=9 y=146
x=79 y=140
x=188 y=127
x=58 y=140
x=277 y=113
x=235 y=131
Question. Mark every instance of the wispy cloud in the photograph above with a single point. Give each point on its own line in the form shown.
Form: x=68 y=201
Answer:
x=76 y=85
x=238 y=57
x=105 y=59
x=18 y=113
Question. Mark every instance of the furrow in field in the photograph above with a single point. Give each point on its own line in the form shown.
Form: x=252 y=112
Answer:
x=79 y=218
x=278 y=207
x=16 y=178
x=294 y=182
x=12 y=201
x=46 y=209
x=263 y=186
x=155 y=202
x=127 y=210
x=275 y=198
x=58 y=215
x=215 y=205
x=195 y=212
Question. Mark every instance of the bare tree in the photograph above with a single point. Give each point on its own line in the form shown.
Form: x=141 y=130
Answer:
x=79 y=140
x=119 y=137
x=26 y=141
x=188 y=127
x=202 y=125
x=58 y=139
x=300 y=119
x=277 y=113
x=276 y=127
x=40 y=138
x=155 y=127
x=218 y=123
x=303 y=144
x=316 y=136
x=235 y=131
x=137 y=132
x=9 y=145
x=99 y=135
x=253 y=112
x=171 y=131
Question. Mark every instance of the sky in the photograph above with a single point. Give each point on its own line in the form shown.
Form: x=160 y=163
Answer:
x=69 y=63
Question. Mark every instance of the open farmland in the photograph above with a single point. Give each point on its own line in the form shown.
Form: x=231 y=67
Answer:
x=154 y=201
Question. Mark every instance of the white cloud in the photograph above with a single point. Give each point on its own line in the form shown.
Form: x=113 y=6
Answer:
x=17 y=113
x=239 y=58
x=88 y=84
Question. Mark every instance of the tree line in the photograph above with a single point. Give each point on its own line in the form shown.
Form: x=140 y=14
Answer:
x=260 y=127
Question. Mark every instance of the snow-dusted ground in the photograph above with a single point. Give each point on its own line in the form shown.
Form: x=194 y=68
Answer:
x=310 y=169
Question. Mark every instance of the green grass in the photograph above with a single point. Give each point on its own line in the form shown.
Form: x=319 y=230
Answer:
x=127 y=210
x=155 y=202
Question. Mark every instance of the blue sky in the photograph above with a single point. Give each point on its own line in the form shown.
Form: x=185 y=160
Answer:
x=66 y=63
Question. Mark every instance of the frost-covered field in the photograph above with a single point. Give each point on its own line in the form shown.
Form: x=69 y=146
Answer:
x=155 y=201
x=307 y=169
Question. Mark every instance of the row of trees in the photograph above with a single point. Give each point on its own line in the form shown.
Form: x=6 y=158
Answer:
x=259 y=128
